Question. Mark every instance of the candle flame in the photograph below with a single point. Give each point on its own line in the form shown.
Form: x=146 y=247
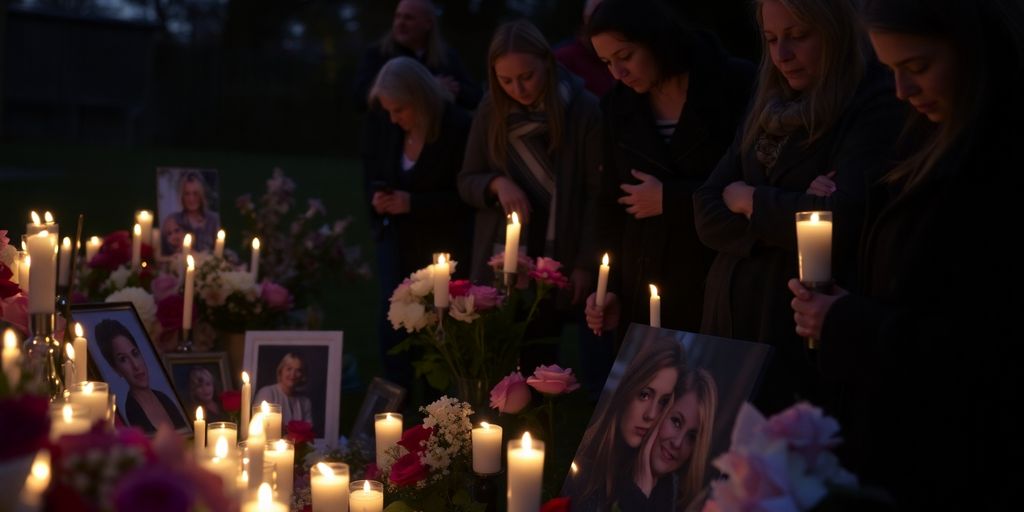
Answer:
x=187 y=241
x=66 y=243
x=87 y=387
x=66 y=412
x=485 y=425
x=527 y=442
x=78 y=330
x=575 y=469
x=24 y=248
x=28 y=260
x=221 y=449
x=604 y=260
x=515 y=218
x=144 y=264
x=10 y=339
x=43 y=234
x=441 y=260
x=281 y=445
x=366 y=486
x=245 y=476
x=325 y=470
x=221 y=234
x=264 y=407
x=41 y=466
x=815 y=217
x=137 y=229
x=255 y=244
x=266 y=496
x=256 y=425
x=94 y=240
x=199 y=414
x=387 y=417
x=143 y=215
x=191 y=262
x=654 y=291
x=245 y=378
x=35 y=218
x=70 y=350
x=48 y=217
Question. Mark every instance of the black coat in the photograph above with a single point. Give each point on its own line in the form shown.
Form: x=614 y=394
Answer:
x=374 y=58
x=746 y=296
x=438 y=221
x=664 y=250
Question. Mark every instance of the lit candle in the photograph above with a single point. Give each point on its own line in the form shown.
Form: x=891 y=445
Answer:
x=264 y=501
x=144 y=218
x=69 y=365
x=43 y=274
x=64 y=275
x=222 y=465
x=218 y=244
x=441 y=277
x=511 y=245
x=200 y=428
x=329 y=486
x=37 y=482
x=254 y=265
x=81 y=354
x=525 y=471
x=37 y=224
x=388 y=429
x=486 y=449
x=11 y=354
x=246 y=400
x=255 y=445
x=186 y=244
x=217 y=431
x=655 y=307
x=91 y=395
x=24 y=267
x=67 y=420
x=814 y=247
x=602 y=281
x=190 y=277
x=271 y=419
x=282 y=454
x=92 y=248
x=366 y=496
x=136 y=247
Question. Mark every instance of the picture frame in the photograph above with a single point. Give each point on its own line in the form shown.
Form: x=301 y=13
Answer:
x=382 y=395
x=200 y=378
x=312 y=394
x=121 y=354
x=188 y=201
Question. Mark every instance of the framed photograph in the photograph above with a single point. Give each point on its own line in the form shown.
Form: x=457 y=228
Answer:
x=200 y=378
x=381 y=396
x=122 y=355
x=187 y=202
x=301 y=371
x=671 y=395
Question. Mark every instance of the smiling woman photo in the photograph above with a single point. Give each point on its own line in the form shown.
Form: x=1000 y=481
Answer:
x=288 y=392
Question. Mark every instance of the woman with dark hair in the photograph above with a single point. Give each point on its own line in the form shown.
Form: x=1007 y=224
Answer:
x=667 y=122
x=925 y=343
x=822 y=107
x=145 y=407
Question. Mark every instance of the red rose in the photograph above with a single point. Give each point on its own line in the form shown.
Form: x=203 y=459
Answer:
x=115 y=251
x=408 y=470
x=300 y=431
x=459 y=287
x=169 y=312
x=7 y=288
x=414 y=438
x=556 y=505
x=231 y=400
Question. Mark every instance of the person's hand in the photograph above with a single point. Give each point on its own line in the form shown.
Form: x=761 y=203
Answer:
x=580 y=282
x=378 y=200
x=739 y=198
x=810 y=308
x=643 y=200
x=604 y=318
x=511 y=197
x=823 y=186
x=397 y=202
x=449 y=83
x=643 y=476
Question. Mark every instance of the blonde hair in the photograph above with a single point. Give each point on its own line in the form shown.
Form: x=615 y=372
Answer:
x=434 y=55
x=691 y=482
x=839 y=72
x=521 y=37
x=406 y=81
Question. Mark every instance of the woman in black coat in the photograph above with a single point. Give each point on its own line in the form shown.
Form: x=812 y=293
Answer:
x=927 y=341
x=412 y=149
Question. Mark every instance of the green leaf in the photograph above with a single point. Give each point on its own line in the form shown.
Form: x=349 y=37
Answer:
x=398 y=506
x=404 y=346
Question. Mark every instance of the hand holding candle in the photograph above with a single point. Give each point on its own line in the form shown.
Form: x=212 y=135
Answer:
x=602 y=281
x=814 y=252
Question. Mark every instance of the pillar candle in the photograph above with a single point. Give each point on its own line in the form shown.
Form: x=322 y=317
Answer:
x=244 y=410
x=43 y=274
x=218 y=244
x=486 y=449
x=24 y=267
x=92 y=248
x=254 y=265
x=136 y=247
x=525 y=471
x=602 y=281
x=255 y=445
x=814 y=246
x=64 y=276
x=69 y=365
x=190 y=277
x=222 y=465
x=37 y=482
x=329 y=486
x=81 y=354
x=366 y=496
x=93 y=396
x=199 y=426
x=38 y=224
x=512 y=245
x=264 y=501
x=144 y=218
x=388 y=429
x=441 y=276
x=67 y=420
x=655 y=307
x=282 y=454
x=218 y=430
x=11 y=355
x=271 y=419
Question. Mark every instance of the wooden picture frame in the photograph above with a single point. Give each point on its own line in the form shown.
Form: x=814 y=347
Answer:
x=382 y=395
x=200 y=378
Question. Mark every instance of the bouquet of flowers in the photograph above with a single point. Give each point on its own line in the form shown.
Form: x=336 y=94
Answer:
x=230 y=299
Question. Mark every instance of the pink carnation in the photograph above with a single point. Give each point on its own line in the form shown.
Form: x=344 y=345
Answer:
x=553 y=380
x=275 y=296
x=511 y=394
x=485 y=297
x=548 y=272
x=806 y=430
x=163 y=285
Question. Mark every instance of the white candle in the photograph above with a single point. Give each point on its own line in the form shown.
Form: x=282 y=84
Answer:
x=814 y=246
x=511 y=245
x=81 y=354
x=271 y=419
x=136 y=247
x=366 y=496
x=92 y=248
x=199 y=425
x=220 y=430
x=144 y=218
x=11 y=355
x=254 y=265
x=441 y=276
x=67 y=420
x=246 y=400
x=93 y=396
x=24 y=267
x=222 y=465
x=255 y=445
x=486 y=449
x=388 y=429
x=37 y=482
x=218 y=244
x=69 y=365
x=602 y=281
x=329 y=486
x=525 y=471
x=282 y=454
x=655 y=307
x=155 y=241
x=43 y=274
x=64 y=275
x=190 y=278
x=264 y=501
x=38 y=224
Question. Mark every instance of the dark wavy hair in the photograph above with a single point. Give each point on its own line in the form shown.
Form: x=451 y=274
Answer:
x=651 y=24
x=106 y=331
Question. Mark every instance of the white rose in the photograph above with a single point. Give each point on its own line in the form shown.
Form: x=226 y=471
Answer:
x=118 y=278
x=8 y=254
x=144 y=304
x=413 y=316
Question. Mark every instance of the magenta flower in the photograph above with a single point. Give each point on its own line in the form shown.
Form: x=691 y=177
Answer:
x=485 y=297
x=459 y=287
x=415 y=438
x=548 y=272
x=511 y=394
x=163 y=285
x=153 y=488
x=553 y=380
x=14 y=310
x=169 y=312
x=408 y=470
x=275 y=296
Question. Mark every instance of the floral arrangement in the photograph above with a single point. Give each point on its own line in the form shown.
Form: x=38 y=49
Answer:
x=783 y=463
x=13 y=302
x=230 y=299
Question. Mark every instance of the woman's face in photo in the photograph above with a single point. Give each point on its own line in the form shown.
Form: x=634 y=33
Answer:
x=924 y=69
x=128 y=362
x=400 y=113
x=290 y=375
x=521 y=76
x=795 y=47
x=676 y=436
x=175 y=235
x=630 y=63
x=644 y=408
x=192 y=196
x=202 y=387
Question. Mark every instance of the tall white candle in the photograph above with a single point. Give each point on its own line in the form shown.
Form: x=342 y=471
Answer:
x=144 y=218
x=67 y=420
x=218 y=244
x=814 y=246
x=11 y=355
x=136 y=247
x=246 y=401
x=271 y=419
x=511 y=261
x=282 y=454
x=199 y=444
x=329 y=486
x=264 y=501
x=190 y=278
x=486 y=449
x=64 y=276
x=255 y=445
x=81 y=354
x=366 y=496
x=441 y=276
x=388 y=429
x=655 y=307
x=92 y=248
x=221 y=430
x=43 y=274
x=602 y=281
x=525 y=472
x=69 y=365
x=254 y=264
x=37 y=224
x=24 y=267
x=93 y=396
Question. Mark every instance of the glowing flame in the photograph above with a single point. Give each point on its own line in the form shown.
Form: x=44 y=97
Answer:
x=137 y=230
x=191 y=262
x=604 y=260
x=70 y=351
x=654 y=291
x=66 y=413
x=78 y=330
x=325 y=470
x=48 y=217
x=10 y=339
x=35 y=218
x=256 y=244
x=245 y=378
x=527 y=441
x=199 y=414
x=187 y=242
x=515 y=218
x=221 y=449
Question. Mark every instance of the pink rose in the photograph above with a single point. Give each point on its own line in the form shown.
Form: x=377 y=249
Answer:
x=807 y=431
x=485 y=297
x=408 y=470
x=115 y=251
x=414 y=439
x=275 y=296
x=553 y=380
x=14 y=310
x=459 y=287
x=548 y=272
x=511 y=395
x=163 y=285
x=3 y=239
x=756 y=482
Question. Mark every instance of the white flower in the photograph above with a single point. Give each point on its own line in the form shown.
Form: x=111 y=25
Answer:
x=462 y=309
x=236 y=281
x=422 y=282
x=144 y=304
x=411 y=315
x=118 y=278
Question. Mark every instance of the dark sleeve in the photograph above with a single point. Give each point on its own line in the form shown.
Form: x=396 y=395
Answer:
x=469 y=90
x=477 y=172
x=366 y=72
x=717 y=226
x=591 y=154
x=451 y=147
x=610 y=215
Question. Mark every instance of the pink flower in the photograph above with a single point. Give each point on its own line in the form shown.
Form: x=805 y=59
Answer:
x=3 y=239
x=485 y=297
x=163 y=285
x=275 y=296
x=415 y=438
x=511 y=394
x=756 y=482
x=408 y=470
x=153 y=488
x=7 y=288
x=807 y=431
x=548 y=272
x=553 y=380
x=14 y=310
x=459 y=287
